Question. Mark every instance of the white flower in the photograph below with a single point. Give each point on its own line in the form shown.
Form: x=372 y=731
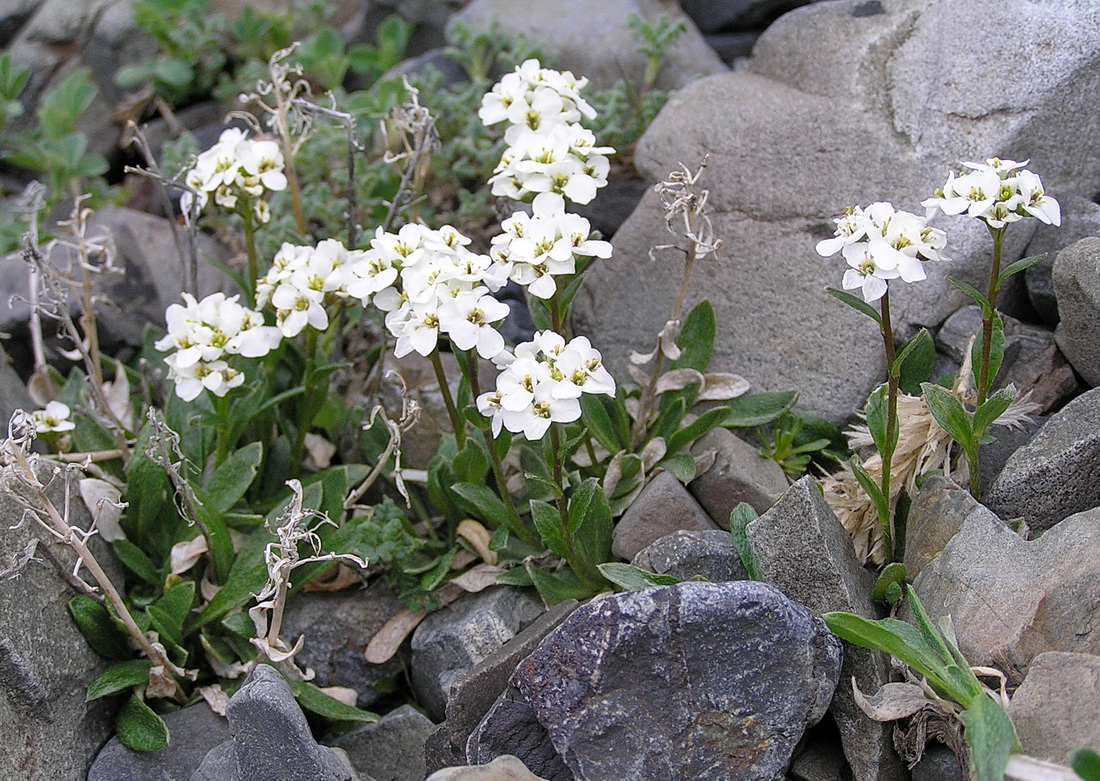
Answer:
x=468 y=320
x=236 y=168
x=996 y=192
x=54 y=418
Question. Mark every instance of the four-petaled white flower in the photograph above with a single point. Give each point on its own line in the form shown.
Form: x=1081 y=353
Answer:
x=53 y=419
x=236 y=167
x=998 y=192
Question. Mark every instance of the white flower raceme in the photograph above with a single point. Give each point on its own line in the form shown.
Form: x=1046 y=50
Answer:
x=880 y=244
x=54 y=418
x=542 y=382
x=535 y=248
x=534 y=96
x=236 y=167
x=303 y=282
x=205 y=336
x=997 y=192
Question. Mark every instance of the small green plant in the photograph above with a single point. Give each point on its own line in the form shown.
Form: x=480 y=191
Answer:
x=655 y=41
x=795 y=440
x=12 y=81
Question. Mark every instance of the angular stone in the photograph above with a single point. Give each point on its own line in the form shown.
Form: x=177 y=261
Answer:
x=801 y=548
x=474 y=692
x=271 y=739
x=1057 y=473
x=391 y=749
x=821 y=761
x=939 y=763
x=739 y=672
x=503 y=768
x=1054 y=710
x=938 y=512
x=48 y=730
x=725 y=15
x=595 y=41
x=1011 y=600
x=337 y=627
x=663 y=506
x=451 y=641
x=739 y=474
x=1077 y=285
x=868 y=97
x=195 y=731
x=13 y=392
x=512 y=725
x=1080 y=220
x=685 y=554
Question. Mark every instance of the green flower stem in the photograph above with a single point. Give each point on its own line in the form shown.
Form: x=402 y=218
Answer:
x=559 y=314
x=590 y=448
x=984 y=380
x=448 y=400
x=887 y=454
x=223 y=446
x=307 y=408
x=253 y=259
x=563 y=506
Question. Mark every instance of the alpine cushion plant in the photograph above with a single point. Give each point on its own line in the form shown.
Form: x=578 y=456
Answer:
x=881 y=244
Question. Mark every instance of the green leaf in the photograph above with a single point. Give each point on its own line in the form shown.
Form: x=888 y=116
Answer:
x=221 y=543
x=230 y=480
x=680 y=465
x=871 y=488
x=973 y=292
x=756 y=409
x=857 y=304
x=893 y=574
x=591 y=526
x=596 y=418
x=996 y=349
x=673 y=409
x=701 y=425
x=914 y=363
x=740 y=517
x=63 y=105
x=472 y=463
x=878 y=410
x=555 y=587
x=630 y=578
x=548 y=524
x=95 y=623
x=177 y=602
x=247 y=577
x=896 y=638
x=696 y=339
x=1085 y=763
x=439 y=571
x=540 y=315
x=135 y=560
x=174 y=72
x=316 y=701
x=120 y=677
x=991 y=738
x=1017 y=267
x=169 y=630
x=992 y=409
x=950 y=414
x=482 y=501
x=139 y=728
x=517 y=576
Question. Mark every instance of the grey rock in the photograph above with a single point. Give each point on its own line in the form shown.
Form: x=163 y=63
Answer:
x=617 y=201
x=939 y=763
x=738 y=669
x=685 y=554
x=13 y=391
x=271 y=739
x=739 y=474
x=13 y=15
x=451 y=641
x=868 y=97
x=512 y=725
x=733 y=48
x=503 y=768
x=1010 y=599
x=1057 y=473
x=1006 y=441
x=801 y=548
x=939 y=510
x=337 y=627
x=736 y=15
x=821 y=760
x=194 y=732
x=1076 y=271
x=474 y=692
x=662 y=507
x=391 y=749
x=1080 y=219
x=48 y=730
x=1054 y=710
x=1032 y=361
x=595 y=41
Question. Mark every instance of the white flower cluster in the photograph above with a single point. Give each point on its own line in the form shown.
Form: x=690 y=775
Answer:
x=881 y=244
x=303 y=281
x=996 y=192
x=430 y=284
x=205 y=336
x=536 y=248
x=54 y=418
x=236 y=168
x=542 y=384
x=548 y=149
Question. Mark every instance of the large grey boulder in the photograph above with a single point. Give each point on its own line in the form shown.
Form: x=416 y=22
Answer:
x=594 y=40
x=271 y=739
x=1011 y=600
x=390 y=749
x=451 y=641
x=801 y=548
x=939 y=510
x=738 y=474
x=48 y=731
x=1077 y=285
x=697 y=680
x=847 y=103
x=1057 y=473
x=735 y=15
x=1054 y=710
x=1080 y=220
x=663 y=507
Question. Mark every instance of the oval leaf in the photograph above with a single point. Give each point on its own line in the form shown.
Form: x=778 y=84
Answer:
x=723 y=386
x=120 y=677
x=140 y=728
